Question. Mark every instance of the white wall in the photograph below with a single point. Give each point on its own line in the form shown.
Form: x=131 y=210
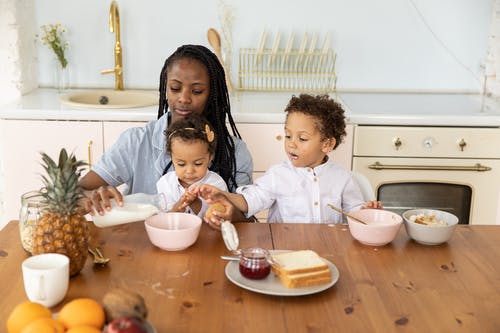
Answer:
x=384 y=44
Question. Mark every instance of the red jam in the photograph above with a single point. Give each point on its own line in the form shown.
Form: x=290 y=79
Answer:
x=254 y=264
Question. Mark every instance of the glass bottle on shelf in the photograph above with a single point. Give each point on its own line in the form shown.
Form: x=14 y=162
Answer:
x=32 y=207
x=136 y=207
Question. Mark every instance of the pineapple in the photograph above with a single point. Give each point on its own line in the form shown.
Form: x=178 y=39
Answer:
x=62 y=227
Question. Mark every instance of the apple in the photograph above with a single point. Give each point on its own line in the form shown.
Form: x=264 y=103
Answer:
x=126 y=325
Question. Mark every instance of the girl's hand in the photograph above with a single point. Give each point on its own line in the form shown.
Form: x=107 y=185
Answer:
x=204 y=190
x=184 y=201
x=99 y=200
x=218 y=217
x=372 y=204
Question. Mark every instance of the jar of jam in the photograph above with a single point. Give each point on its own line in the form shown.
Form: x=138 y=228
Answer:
x=254 y=263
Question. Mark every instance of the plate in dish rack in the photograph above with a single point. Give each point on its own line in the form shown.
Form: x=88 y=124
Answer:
x=271 y=285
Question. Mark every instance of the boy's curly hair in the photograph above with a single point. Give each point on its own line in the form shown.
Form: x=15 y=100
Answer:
x=191 y=128
x=328 y=114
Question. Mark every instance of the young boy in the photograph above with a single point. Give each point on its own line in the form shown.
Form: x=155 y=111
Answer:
x=300 y=189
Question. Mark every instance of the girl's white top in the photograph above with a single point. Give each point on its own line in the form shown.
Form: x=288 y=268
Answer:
x=301 y=195
x=173 y=190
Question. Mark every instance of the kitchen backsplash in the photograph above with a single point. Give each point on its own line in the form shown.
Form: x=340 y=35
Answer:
x=381 y=45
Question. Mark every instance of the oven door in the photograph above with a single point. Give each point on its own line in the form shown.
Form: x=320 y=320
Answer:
x=482 y=176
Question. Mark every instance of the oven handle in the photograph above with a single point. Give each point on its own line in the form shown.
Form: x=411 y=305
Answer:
x=379 y=166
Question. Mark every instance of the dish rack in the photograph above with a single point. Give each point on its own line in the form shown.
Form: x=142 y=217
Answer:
x=281 y=70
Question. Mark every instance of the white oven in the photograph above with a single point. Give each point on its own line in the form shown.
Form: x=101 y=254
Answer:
x=449 y=168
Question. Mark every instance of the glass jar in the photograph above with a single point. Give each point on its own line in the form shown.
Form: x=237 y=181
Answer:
x=32 y=206
x=254 y=263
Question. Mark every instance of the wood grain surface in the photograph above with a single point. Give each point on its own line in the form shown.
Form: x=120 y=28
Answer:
x=404 y=286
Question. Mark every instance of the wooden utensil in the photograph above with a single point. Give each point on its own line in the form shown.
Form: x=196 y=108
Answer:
x=215 y=41
x=346 y=213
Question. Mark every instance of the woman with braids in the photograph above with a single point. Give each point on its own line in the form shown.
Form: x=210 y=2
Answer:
x=191 y=82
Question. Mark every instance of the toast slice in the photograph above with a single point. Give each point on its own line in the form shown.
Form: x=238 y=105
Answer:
x=302 y=268
x=294 y=262
x=306 y=279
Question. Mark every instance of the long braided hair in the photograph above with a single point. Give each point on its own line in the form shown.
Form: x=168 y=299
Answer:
x=216 y=109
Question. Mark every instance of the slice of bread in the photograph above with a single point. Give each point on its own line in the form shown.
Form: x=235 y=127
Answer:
x=303 y=261
x=306 y=279
x=301 y=269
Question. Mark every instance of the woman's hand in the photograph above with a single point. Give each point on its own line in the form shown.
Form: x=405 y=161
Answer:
x=372 y=204
x=98 y=200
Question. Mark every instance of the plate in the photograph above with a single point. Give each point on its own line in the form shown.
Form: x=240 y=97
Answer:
x=272 y=285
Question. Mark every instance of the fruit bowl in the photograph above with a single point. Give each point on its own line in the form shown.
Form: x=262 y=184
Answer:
x=173 y=231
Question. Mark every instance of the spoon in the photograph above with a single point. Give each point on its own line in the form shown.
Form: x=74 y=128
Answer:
x=346 y=213
x=214 y=40
x=98 y=256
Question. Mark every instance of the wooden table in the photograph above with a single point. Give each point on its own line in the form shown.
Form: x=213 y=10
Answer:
x=404 y=286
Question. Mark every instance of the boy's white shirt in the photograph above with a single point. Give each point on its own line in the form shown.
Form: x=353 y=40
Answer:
x=169 y=184
x=301 y=195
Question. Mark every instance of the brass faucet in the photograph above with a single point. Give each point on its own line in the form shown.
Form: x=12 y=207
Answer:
x=114 y=26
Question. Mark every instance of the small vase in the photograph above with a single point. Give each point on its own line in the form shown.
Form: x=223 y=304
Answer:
x=61 y=76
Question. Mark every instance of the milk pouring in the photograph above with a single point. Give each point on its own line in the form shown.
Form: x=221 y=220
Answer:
x=136 y=207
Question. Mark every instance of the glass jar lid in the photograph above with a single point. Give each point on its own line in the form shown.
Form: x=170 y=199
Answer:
x=230 y=236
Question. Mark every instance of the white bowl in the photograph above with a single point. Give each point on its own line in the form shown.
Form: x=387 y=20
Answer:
x=381 y=228
x=430 y=235
x=173 y=231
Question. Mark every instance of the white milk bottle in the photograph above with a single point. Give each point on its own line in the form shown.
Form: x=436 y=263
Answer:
x=136 y=207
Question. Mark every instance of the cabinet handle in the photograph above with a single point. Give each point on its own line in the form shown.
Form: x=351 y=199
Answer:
x=462 y=144
x=379 y=166
x=89 y=153
x=397 y=143
x=279 y=137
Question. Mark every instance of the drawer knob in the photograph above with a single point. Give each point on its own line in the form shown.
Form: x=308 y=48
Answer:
x=397 y=143
x=462 y=144
x=279 y=137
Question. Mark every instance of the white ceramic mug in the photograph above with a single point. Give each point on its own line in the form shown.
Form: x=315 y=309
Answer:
x=46 y=278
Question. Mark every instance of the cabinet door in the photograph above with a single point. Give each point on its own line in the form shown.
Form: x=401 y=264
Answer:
x=113 y=130
x=21 y=142
x=266 y=144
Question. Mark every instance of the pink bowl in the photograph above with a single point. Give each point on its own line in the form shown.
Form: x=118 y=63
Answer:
x=173 y=231
x=381 y=228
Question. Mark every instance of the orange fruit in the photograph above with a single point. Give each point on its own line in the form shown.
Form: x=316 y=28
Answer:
x=44 y=325
x=82 y=312
x=25 y=313
x=83 y=329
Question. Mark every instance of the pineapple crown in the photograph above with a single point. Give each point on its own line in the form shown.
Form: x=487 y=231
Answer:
x=60 y=188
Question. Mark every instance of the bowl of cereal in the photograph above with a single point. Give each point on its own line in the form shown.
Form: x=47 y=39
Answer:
x=429 y=226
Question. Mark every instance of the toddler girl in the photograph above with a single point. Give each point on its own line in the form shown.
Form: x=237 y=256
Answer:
x=191 y=143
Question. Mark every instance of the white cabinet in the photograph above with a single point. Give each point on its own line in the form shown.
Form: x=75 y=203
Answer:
x=113 y=129
x=21 y=142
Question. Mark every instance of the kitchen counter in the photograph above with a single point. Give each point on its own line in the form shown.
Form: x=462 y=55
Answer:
x=403 y=286
x=420 y=109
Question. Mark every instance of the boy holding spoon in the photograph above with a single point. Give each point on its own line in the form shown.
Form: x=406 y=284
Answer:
x=300 y=189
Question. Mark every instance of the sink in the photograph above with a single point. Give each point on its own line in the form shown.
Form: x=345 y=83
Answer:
x=110 y=99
